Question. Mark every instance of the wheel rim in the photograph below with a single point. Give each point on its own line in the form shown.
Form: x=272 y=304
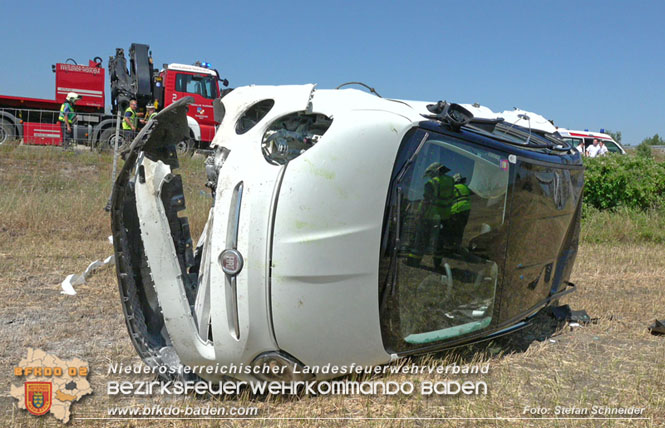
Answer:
x=4 y=136
x=182 y=147
x=111 y=142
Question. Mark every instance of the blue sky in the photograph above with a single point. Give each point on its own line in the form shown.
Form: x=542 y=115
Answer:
x=583 y=64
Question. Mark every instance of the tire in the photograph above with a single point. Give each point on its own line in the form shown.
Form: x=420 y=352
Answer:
x=185 y=147
x=7 y=131
x=107 y=140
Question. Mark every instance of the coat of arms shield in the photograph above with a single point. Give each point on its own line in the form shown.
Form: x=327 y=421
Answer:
x=38 y=397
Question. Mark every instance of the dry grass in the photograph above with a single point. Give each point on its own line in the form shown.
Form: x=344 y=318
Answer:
x=52 y=223
x=626 y=225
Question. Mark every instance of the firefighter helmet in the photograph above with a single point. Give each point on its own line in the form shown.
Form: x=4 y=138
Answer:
x=435 y=169
x=73 y=96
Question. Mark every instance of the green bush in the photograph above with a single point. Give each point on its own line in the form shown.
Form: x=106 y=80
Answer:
x=613 y=181
x=644 y=150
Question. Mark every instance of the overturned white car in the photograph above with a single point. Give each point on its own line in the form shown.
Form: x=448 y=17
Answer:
x=345 y=229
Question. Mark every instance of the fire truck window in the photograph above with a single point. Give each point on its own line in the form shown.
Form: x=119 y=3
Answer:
x=194 y=87
x=446 y=226
x=205 y=86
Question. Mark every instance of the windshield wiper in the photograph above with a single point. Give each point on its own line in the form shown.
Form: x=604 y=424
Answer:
x=500 y=127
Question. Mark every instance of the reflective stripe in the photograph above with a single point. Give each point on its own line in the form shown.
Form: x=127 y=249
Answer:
x=462 y=199
x=133 y=119
x=82 y=91
x=444 y=190
x=441 y=198
x=70 y=114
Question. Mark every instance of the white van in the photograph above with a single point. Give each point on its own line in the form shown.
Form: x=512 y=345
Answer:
x=586 y=137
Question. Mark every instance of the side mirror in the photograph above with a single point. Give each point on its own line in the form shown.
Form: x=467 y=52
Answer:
x=225 y=82
x=454 y=115
x=459 y=116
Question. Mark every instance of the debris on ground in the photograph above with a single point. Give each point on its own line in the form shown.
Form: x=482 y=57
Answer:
x=576 y=318
x=657 y=328
x=79 y=279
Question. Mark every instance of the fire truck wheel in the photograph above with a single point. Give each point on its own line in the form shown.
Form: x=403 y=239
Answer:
x=185 y=147
x=107 y=140
x=7 y=131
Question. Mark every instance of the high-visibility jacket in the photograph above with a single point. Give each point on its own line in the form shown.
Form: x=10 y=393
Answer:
x=134 y=119
x=462 y=199
x=150 y=116
x=439 y=197
x=68 y=115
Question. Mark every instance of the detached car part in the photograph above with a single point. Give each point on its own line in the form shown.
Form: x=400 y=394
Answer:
x=344 y=229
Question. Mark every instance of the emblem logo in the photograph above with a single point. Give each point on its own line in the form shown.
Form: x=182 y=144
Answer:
x=38 y=397
x=231 y=261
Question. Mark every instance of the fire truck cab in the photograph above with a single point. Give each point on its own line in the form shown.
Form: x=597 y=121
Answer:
x=176 y=81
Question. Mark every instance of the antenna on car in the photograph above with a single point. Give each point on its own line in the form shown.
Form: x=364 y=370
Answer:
x=519 y=117
x=369 y=88
x=524 y=116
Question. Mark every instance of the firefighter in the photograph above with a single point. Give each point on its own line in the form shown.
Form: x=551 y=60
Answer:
x=459 y=212
x=130 y=122
x=66 y=118
x=438 y=197
x=149 y=113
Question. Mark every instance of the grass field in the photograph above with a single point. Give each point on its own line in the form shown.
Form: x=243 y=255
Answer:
x=52 y=224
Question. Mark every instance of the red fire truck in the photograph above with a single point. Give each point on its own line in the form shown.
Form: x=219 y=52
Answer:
x=36 y=120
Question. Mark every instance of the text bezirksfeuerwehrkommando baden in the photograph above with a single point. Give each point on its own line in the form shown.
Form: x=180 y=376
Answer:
x=334 y=387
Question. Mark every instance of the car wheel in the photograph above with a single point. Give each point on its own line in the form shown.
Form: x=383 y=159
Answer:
x=7 y=131
x=107 y=140
x=184 y=147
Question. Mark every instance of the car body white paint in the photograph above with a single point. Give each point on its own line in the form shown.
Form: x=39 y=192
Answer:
x=292 y=234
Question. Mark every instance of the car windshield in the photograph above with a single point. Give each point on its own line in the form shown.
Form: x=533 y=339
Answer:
x=448 y=206
x=612 y=147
